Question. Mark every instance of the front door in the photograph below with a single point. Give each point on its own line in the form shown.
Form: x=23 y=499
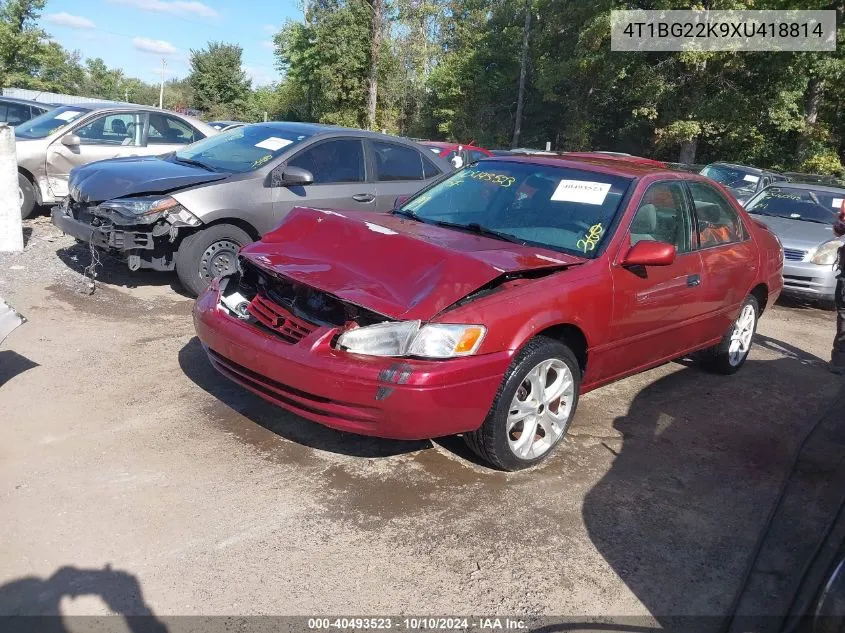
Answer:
x=340 y=179
x=655 y=310
x=105 y=136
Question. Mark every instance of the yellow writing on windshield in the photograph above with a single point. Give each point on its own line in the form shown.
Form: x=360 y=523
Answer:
x=592 y=238
x=489 y=176
x=262 y=160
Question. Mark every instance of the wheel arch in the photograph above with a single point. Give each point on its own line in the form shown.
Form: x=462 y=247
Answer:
x=570 y=335
x=238 y=222
x=23 y=171
x=761 y=293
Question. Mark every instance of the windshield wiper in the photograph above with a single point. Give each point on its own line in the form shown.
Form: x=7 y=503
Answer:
x=474 y=227
x=191 y=161
x=407 y=214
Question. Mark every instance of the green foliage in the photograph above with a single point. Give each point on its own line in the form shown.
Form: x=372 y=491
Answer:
x=218 y=80
x=825 y=162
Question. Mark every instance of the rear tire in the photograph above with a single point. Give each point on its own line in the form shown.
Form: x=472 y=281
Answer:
x=209 y=253
x=730 y=355
x=539 y=392
x=26 y=192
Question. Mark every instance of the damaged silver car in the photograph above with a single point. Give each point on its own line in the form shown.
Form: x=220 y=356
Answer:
x=9 y=320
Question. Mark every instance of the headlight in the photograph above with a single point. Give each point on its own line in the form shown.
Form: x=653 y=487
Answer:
x=148 y=209
x=827 y=253
x=407 y=338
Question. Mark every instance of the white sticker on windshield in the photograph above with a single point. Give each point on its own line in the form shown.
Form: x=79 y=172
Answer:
x=751 y=178
x=274 y=143
x=581 y=191
x=836 y=203
x=68 y=115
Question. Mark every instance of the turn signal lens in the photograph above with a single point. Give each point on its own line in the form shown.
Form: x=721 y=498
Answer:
x=445 y=340
x=469 y=339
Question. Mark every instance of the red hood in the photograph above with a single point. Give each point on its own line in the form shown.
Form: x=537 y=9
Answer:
x=392 y=265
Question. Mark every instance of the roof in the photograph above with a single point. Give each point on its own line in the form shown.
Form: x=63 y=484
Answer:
x=606 y=165
x=808 y=186
x=39 y=104
x=748 y=168
x=449 y=145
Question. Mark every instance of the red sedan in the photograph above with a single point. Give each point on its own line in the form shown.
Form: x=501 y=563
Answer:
x=487 y=303
x=467 y=153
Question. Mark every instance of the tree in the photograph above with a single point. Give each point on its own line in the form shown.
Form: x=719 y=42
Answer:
x=217 y=78
x=375 y=53
x=21 y=41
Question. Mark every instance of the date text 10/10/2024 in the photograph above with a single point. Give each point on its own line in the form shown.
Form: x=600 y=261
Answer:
x=418 y=624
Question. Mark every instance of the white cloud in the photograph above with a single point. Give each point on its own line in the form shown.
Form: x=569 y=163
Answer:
x=159 y=47
x=268 y=44
x=175 y=7
x=272 y=29
x=68 y=20
x=260 y=76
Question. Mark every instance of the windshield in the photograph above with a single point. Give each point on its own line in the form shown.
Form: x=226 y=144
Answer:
x=49 y=122
x=739 y=181
x=798 y=204
x=241 y=149
x=560 y=208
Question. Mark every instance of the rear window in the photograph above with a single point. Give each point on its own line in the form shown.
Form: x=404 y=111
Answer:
x=570 y=210
x=241 y=149
x=50 y=122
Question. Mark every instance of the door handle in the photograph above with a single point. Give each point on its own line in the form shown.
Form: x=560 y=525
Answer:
x=363 y=197
x=693 y=281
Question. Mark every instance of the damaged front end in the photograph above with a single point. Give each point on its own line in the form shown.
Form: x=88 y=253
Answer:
x=143 y=230
x=287 y=309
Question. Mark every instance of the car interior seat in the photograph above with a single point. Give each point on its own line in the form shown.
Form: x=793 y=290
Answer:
x=644 y=226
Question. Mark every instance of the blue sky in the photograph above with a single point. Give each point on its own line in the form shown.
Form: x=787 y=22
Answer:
x=135 y=34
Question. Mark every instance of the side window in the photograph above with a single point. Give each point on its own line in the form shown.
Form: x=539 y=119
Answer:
x=341 y=160
x=3 y=111
x=111 y=129
x=718 y=222
x=397 y=162
x=429 y=170
x=17 y=114
x=663 y=216
x=168 y=130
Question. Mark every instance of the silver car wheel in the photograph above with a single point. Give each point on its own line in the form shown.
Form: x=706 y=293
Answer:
x=219 y=259
x=20 y=196
x=541 y=409
x=741 y=336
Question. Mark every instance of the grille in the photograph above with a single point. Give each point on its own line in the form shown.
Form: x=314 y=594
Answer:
x=274 y=317
x=794 y=254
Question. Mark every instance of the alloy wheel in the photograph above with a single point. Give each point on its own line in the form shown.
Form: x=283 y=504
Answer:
x=541 y=409
x=741 y=336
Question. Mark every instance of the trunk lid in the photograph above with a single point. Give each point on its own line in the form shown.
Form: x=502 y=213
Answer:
x=392 y=265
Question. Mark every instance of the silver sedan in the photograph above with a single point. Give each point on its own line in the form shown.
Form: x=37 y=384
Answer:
x=52 y=144
x=802 y=216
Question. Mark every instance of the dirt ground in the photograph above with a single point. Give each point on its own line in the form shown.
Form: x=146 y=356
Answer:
x=130 y=469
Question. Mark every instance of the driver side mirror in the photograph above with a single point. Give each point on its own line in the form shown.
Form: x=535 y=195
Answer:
x=292 y=176
x=650 y=253
x=70 y=140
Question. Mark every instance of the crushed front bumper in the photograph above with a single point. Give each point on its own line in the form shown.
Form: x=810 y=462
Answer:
x=397 y=398
x=141 y=248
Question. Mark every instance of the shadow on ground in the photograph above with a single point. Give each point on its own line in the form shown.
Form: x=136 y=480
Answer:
x=702 y=458
x=238 y=401
x=12 y=364
x=114 y=272
x=34 y=596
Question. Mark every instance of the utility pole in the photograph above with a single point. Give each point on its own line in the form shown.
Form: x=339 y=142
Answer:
x=520 y=101
x=161 y=91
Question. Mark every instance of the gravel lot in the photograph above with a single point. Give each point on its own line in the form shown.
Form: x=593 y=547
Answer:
x=123 y=448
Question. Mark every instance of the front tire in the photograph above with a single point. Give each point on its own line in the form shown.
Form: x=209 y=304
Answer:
x=533 y=408
x=26 y=193
x=730 y=355
x=209 y=253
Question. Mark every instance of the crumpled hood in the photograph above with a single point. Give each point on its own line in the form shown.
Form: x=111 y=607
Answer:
x=392 y=265
x=134 y=175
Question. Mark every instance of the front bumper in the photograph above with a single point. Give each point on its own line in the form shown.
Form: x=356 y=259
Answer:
x=396 y=398
x=805 y=279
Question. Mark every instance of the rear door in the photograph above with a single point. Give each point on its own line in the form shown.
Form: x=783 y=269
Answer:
x=728 y=255
x=340 y=178
x=656 y=308
x=399 y=170
x=107 y=135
